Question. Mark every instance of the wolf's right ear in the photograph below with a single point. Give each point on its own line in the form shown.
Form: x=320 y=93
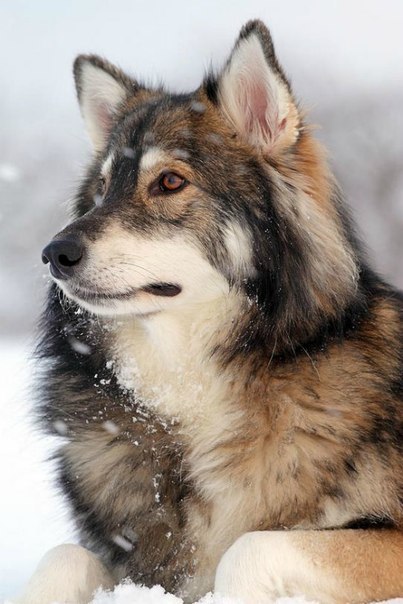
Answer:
x=254 y=94
x=101 y=90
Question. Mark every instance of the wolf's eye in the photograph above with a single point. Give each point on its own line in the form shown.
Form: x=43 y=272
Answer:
x=171 y=182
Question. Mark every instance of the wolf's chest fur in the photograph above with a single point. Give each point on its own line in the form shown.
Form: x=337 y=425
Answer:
x=207 y=452
x=253 y=455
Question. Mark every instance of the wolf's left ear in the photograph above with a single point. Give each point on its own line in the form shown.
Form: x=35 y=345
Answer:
x=101 y=90
x=254 y=93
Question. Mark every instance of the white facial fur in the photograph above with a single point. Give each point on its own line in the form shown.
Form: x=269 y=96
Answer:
x=120 y=262
x=152 y=157
x=238 y=243
x=107 y=165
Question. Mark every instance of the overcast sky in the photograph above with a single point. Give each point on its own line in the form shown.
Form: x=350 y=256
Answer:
x=359 y=42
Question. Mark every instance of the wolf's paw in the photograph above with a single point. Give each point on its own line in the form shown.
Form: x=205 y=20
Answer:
x=67 y=574
x=259 y=568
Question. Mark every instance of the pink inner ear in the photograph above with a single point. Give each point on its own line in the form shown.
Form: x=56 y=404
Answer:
x=259 y=108
x=259 y=105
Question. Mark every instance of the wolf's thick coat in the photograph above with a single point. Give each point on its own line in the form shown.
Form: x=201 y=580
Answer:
x=267 y=394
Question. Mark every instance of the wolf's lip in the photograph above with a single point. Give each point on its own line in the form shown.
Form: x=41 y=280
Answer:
x=168 y=290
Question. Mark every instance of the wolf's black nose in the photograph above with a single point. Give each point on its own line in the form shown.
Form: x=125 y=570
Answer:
x=64 y=255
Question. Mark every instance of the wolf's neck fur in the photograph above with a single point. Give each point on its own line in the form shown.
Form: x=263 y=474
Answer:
x=167 y=360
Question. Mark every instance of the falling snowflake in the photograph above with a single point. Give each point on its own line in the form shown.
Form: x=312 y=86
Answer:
x=79 y=347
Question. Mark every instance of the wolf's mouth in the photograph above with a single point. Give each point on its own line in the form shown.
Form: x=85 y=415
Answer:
x=167 y=290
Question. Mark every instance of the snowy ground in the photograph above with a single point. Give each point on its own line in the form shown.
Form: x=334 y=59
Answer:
x=32 y=518
x=131 y=594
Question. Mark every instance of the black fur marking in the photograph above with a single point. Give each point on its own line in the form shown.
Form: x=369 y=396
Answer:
x=211 y=87
x=370 y=523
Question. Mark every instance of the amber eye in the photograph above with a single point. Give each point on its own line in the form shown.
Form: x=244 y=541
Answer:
x=171 y=182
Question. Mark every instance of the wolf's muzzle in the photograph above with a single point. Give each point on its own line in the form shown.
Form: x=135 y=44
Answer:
x=64 y=255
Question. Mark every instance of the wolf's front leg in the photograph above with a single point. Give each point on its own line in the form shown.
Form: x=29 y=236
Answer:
x=67 y=574
x=332 y=566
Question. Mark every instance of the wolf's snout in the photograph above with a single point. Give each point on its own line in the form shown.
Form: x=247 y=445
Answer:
x=63 y=255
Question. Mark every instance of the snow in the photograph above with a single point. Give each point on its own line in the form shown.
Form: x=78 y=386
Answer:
x=134 y=594
x=127 y=594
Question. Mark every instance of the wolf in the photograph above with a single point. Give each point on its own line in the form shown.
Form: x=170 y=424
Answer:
x=222 y=364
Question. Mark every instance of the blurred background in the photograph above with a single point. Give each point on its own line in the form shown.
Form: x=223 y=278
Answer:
x=345 y=61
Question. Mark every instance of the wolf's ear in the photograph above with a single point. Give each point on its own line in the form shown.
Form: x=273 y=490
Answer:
x=101 y=89
x=254 y=93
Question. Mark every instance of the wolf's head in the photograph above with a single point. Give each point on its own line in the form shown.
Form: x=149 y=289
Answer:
x=191 y=196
